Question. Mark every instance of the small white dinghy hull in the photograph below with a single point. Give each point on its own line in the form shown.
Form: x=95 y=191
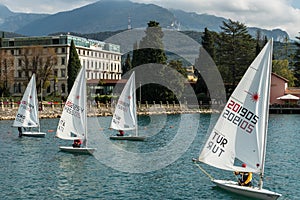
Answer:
x=33 y=134
x=253 y=192
x=131 y=138
x=81 y=150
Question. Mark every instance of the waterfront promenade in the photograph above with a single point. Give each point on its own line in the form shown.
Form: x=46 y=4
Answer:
x=8 y=110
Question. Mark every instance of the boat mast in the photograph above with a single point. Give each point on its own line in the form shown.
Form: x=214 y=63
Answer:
x=37 y=105
x=134 y=96
x=260 y=184
x=85 y=113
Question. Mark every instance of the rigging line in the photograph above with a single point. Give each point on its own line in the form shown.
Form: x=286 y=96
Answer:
x=205 y=172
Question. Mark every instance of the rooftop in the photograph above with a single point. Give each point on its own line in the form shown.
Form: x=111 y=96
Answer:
x=58 y=40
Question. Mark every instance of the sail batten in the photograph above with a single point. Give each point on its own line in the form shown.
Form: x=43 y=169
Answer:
x=240 y=132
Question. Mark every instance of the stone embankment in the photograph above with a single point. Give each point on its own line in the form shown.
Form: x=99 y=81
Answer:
x=54 y=110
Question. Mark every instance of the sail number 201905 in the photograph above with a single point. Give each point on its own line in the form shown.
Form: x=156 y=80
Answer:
x=240 y=116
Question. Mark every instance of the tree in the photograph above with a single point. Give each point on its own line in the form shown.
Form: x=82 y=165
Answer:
x=127 y=66
x=296 y=65
x=177 y=65
x=73 y=66
x=135 y=55
x=235 y=52
x=6 y=72
x=208 y=42
x=177 y=83
x=38 y=60
x=281 y=67
x=46 y=73
x=258 y=47
x=150 y=48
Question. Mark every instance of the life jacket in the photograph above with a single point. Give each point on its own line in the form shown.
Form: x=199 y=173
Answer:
x=246 y=178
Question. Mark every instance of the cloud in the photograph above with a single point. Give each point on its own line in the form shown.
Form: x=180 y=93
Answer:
x=44 y=6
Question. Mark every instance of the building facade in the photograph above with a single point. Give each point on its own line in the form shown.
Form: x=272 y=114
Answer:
x=101 y=60
x=279 y=86
x=281 y=94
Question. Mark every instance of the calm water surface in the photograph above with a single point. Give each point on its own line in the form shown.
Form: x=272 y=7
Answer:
x=34 y=168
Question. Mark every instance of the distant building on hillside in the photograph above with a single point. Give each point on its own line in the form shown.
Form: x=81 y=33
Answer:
x=101 y=60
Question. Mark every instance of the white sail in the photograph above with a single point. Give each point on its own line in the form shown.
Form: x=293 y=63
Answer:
x=125 y=117
x=240 y=131
x=27 y=115
x=72 y=124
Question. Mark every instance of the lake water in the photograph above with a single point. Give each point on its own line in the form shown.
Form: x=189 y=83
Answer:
x=34 y=168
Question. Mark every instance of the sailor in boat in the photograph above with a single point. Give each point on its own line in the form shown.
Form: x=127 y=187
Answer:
x=245 y=177
x=20 y=131
x=77 y=143
x=121 y=133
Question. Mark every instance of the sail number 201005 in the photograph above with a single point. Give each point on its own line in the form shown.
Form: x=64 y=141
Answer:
x=240 y=116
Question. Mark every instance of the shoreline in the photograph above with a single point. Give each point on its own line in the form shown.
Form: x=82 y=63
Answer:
x=8 y=113
x=55 y=110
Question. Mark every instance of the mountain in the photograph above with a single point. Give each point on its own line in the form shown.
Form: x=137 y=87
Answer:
x=100 y=16
x=110 y=16
x=197 y=22
x=4 y=12
x=11 y=21
x=276 y=34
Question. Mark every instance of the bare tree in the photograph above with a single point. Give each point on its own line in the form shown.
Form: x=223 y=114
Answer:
x=6 y=71
x=41 y=61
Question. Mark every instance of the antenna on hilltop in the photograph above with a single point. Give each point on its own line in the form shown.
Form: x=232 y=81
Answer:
x=129 y=23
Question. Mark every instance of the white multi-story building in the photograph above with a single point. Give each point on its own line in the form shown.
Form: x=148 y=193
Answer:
x=101 y=60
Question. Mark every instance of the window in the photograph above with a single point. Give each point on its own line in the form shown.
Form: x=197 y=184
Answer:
x=63 y=72
x=55 y=41
x=56 y=73
x=17 y=87
x=19 y=62
x=63 y=88
x=63 y=61
x=20 y=74
x=63 y=50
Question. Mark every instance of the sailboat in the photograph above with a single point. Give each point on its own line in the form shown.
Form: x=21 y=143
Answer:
x=241 y=130
x=125 y=117
x=28 y=115
x=73 y=121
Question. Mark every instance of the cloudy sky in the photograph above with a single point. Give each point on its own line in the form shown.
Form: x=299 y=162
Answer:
x=268 y=14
